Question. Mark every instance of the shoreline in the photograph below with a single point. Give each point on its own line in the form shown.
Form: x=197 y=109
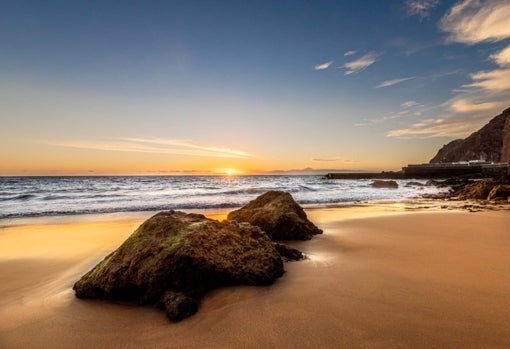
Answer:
x=364 y=209
x=378 y=276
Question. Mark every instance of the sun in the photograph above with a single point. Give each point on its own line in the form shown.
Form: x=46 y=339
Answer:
x=230 y=171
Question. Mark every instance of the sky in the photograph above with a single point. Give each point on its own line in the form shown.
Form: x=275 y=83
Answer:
x=162 y=87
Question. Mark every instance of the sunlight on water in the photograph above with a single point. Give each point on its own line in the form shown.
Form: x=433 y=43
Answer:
x=321 y=259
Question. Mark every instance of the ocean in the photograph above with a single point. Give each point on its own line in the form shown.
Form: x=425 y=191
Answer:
x=52 y=196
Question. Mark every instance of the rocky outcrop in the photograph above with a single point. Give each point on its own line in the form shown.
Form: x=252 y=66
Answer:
x=499 y=192
x=384 y=184
x=483 y=190
x=490 y=143
x=276 y=213
x=173 y=258
x=475 y=190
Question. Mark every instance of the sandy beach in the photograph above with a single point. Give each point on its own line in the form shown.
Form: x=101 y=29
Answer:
x=374 y=279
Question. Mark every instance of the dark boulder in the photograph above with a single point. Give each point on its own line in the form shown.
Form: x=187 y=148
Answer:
x=276 y=213
x=288 y=253
x=173 y=258
x=384 y=184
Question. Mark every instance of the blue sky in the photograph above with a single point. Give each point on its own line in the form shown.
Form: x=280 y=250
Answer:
x=131 y=86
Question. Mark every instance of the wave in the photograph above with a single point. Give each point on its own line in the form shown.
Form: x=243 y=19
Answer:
x=81 y=197
x=22 y=197
x=246 y=191
x=38 y=197
x=161 y=207
x=224 y=205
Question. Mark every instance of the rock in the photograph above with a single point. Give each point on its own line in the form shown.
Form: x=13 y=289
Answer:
x=499 y=192
x=477 y=190
x=384 y=184
x=414 y=184
x=450 y=182
x=173 y=258
x=276 y=213
x=177 y=305
x=288 y=253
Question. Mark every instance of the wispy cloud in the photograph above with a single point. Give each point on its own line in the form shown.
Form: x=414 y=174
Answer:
x=496 y=80
x=323 y=66
x=409 y=104
x=502 y=58
x=394 y=82
x=408 y=109
x=154 y=145
x=421 y=8
x=335 y=159
x=440 y=127
x=326 y=159
x=488 y=93
x=474 y=21
x=350 y=53
x=474 y=103
x=360 y=64
x=391 y=116
x=467 y=106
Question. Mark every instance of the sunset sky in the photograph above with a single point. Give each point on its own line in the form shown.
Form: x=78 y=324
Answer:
x=135 y=87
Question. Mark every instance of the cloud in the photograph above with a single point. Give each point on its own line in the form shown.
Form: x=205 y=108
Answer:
x=474 y=21
x=323 y=66
x=350 y=53
x=440 y=127
x=393 y=82
x=497 y=80
x=488 y=92
x=467 y=106
x=421 y=8
x=502 y=58
x=409 y=104
x=154 y=145
x=360 y=64
x=326 y=159
x=494 y=80
x=335 y=159
x=391 y=116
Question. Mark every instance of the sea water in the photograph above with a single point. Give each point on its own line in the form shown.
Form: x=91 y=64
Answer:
x=49 y=196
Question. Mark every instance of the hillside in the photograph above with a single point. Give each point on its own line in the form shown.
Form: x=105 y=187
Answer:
x=490 y=143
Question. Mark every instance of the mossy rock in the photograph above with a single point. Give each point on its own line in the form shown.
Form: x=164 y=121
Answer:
x=276 y=213
x=173 y=258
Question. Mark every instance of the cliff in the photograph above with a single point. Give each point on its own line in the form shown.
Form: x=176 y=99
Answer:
x=490 y=143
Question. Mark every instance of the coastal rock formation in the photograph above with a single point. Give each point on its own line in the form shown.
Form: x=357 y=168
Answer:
x=475 y=190
x=384 y=184
x=276 y=213
x=483 y=190
x=173 y=258
x=490 y=143
x=499 y=192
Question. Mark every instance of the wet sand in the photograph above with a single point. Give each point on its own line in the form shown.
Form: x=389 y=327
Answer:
x=374 y=279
